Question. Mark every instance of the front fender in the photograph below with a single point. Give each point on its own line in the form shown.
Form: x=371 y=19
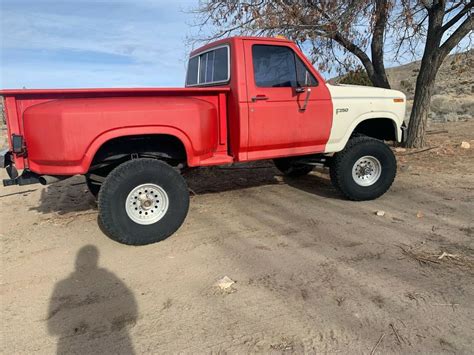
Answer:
x=340 y=132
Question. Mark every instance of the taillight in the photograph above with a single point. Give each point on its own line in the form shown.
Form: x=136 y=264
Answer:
x=18 y=144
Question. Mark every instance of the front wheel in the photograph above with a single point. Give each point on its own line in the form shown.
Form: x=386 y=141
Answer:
x=364 y=170
x=143 y=201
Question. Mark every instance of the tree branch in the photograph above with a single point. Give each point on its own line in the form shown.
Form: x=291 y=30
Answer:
x=457 y=17
x=454 y=7
x=357 y=51
x=453 y=40
x=426 y=4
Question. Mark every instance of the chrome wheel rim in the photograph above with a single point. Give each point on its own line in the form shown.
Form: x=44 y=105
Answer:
x=147 y=204
x=366 y=170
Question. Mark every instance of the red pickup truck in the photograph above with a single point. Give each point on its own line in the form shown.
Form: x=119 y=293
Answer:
x=245 y=99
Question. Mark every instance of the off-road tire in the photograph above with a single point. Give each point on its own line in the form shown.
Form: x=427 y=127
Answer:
x=289 y=168
x=343 y=162
x=113 y=194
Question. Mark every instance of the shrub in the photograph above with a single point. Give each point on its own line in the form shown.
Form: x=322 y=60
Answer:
x=356 y=77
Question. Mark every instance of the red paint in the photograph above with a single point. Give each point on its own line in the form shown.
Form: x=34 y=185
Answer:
x=277 y=125
x=63 y=129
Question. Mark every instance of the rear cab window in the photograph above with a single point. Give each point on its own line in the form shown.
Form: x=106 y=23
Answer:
x=209 y=68
x=279 y=66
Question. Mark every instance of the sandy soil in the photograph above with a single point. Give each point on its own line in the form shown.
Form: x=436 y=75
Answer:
x=312 y=272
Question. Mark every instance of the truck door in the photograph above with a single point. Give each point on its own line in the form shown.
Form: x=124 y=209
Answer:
x=290 y=109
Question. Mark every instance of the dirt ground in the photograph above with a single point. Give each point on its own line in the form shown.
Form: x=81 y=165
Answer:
x=313 y=272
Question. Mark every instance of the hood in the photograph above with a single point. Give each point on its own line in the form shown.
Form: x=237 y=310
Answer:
x=359 y=91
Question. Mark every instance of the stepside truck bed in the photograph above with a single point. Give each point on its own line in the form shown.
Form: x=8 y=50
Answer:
x=68 y=141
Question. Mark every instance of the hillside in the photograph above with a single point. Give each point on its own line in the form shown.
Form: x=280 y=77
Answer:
x=453 y=98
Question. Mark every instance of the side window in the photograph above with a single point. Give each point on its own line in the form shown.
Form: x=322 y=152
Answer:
x=278 y=66
x=304 y=76
x=221 y=65
x=206 y=63
x=211 y=67
x=274 y=66
x=192 y=75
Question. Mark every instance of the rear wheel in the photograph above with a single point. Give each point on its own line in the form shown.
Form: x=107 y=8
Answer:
x=290 y=167
x=364 y=170
x=143 y=201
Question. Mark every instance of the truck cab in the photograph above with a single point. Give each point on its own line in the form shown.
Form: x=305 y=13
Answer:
x=279 y=105
x=283 y=106
x=245 y=99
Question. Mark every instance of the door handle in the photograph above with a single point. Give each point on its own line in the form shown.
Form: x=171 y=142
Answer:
x=308 y=93
x=299 y=90
x=259 y=97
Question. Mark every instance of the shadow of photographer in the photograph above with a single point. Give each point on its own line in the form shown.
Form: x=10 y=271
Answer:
x=91 y=310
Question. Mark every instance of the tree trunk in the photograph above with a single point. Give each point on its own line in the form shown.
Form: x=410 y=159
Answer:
x=421 y=106
x=425 y=81
x=376 y=47
x=377 y=78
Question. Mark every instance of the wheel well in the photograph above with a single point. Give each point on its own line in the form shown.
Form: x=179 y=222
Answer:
x=160 y=146
x=380 y=128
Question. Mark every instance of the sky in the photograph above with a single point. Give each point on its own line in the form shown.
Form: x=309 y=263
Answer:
x=97 y=43
x=93 y=43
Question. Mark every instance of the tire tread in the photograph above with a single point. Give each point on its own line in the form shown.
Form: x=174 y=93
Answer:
x=339 y=160
x=116 y=176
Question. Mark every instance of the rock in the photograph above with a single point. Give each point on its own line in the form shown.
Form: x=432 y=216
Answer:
x=465 y=145
x=380 y=213
x=225 y=283
x=405 y=168
x=419 y=214
x=400 y=150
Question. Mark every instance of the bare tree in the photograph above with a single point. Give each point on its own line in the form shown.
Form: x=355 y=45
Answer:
x=341 y=32
x=330 y=28
x=448 y=23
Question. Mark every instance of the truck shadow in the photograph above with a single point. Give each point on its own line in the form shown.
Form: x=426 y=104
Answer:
x=65 y=197
x=72 y=196
x=219 y=179
x=315 y=183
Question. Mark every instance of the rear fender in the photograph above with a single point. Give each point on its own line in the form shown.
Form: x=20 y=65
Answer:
x=82 y=166
x=192 y=160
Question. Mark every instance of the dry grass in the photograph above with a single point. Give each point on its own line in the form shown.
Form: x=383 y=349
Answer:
x=442 y=258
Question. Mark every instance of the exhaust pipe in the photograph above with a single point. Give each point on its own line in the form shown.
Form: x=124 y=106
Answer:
x=49 y=179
